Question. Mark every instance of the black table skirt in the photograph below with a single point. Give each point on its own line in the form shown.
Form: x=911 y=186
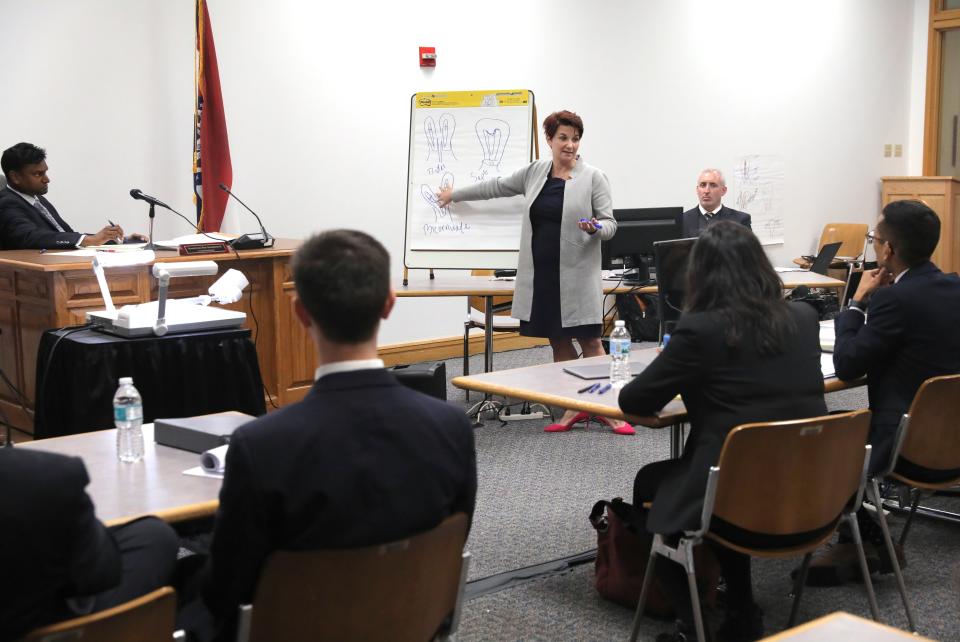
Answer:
x=178 y=375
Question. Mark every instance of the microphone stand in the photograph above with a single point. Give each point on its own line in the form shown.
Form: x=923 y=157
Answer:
x=150 y=245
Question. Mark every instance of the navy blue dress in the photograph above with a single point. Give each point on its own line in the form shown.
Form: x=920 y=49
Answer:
x=545 y=319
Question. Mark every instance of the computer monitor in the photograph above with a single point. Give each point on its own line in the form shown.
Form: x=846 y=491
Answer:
x=672 y=260
x=631 y=248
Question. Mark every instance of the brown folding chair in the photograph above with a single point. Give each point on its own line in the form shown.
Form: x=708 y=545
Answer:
x=789 y=481
x=926 y=457
x=851 y=235
x=406 y=590
x=149 y=618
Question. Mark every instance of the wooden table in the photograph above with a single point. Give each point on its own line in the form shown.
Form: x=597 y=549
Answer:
x=548 y=384
x=154 y=486
x=40 y=291
x=843 y=627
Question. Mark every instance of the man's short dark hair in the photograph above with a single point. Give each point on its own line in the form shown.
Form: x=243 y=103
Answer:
x=343 y=280
x=19 y=156
x=912 y=229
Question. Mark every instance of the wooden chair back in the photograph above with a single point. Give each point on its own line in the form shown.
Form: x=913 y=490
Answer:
x=791 y=477
x=499 y=302
x=933 y=435
x=149 y=618
x=399 y=591
x=852 y=235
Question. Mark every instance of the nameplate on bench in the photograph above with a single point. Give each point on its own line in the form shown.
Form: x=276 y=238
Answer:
x=213 y=247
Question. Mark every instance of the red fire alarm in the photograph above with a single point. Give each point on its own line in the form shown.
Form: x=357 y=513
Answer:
x=428 y=56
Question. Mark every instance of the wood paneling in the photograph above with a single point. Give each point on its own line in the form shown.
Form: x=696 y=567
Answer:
x=942 y=194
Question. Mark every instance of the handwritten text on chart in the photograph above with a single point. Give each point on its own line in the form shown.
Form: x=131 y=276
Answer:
x=459 y=226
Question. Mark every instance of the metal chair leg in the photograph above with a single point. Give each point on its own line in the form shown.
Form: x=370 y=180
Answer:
x=647 y=580
x=874 y=488
x=466 y=353
x=798 y=589
x=694 y=589
x=864 y=569
x=915 y=494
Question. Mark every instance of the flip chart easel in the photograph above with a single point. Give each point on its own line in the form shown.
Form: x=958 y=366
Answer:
x=461 y=138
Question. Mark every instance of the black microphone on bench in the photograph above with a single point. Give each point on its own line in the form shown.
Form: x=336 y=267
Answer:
x=249 y=241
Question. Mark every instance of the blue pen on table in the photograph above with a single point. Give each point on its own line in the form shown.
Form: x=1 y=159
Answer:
x=604 y=389
x=587 y=389
x=596 y=225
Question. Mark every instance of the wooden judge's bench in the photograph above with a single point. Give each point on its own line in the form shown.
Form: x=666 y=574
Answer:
x=40 y=291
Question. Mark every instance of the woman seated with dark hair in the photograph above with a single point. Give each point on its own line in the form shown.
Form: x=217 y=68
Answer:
x=739 y=354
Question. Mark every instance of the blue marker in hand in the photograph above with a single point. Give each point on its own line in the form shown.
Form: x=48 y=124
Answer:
x=596 y=225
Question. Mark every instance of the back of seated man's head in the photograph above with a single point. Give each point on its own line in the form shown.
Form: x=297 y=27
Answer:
x=19 y=156
x=912 y=229
x=343 y=280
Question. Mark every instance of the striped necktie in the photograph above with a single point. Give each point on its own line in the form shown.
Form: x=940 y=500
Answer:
x=46 y=213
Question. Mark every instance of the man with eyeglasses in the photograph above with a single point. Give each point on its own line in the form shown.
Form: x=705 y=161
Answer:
x=900 y=330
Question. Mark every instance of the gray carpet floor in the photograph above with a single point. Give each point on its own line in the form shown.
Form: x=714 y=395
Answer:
x=536 y=490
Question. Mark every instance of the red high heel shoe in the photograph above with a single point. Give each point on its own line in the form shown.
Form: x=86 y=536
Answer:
x=622 y=428
x=577 y=418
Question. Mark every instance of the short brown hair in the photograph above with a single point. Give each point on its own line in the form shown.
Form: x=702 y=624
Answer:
x=343 y=280
x=563 y=117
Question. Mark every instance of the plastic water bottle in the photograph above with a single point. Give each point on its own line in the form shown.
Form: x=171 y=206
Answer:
x=128 y=418
x=619 y=355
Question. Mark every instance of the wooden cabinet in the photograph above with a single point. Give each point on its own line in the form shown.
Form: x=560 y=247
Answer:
x=50 y=290
x=942 y=194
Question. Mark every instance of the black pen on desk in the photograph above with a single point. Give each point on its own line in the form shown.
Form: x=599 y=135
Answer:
x=604 y=389
x=587 y=389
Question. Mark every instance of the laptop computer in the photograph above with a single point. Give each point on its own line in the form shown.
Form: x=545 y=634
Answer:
x=602 y=370
x=827 y=253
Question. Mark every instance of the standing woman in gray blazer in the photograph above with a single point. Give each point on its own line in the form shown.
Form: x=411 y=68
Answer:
x=559 y=292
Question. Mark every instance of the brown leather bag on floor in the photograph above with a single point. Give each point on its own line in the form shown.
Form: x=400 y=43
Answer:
x=623 y=550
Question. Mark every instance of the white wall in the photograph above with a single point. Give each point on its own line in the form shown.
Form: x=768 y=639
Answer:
x=317 y=102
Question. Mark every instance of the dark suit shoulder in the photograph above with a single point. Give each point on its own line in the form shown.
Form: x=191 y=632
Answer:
x=53 y=467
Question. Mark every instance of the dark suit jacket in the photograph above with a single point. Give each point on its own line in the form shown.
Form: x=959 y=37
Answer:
x=51 y=545
x=909 y=335
x=23 y=227
x=692 y=222
x=721 y=389
x=361 y=460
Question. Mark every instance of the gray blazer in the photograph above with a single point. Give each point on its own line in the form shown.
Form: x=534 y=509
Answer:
x=586 y=195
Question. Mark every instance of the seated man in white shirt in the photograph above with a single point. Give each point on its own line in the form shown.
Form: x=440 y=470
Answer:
x=30 y=221
x=361 y=460
x=711 y=188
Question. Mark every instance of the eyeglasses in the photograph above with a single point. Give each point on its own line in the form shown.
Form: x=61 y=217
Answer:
x=873 y=238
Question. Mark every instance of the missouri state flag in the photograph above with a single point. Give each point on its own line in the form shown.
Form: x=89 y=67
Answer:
x=211 y=149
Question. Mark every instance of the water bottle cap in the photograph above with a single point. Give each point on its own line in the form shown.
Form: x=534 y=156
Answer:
x=125 y=380
x=620 y=323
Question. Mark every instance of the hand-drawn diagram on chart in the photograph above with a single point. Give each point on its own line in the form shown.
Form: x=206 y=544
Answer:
x=460 y=139
x=493 y=135
x=757 y=189
x=439 y=136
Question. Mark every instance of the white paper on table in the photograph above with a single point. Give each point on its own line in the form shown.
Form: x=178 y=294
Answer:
x=790 y=269
x=827 y=336
x=215 y=459
x=197 y=471
x=826 y=365
x=196 y=238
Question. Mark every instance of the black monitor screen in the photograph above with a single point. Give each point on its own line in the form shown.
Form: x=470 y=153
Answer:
x=672 y=260
x=637 y=230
